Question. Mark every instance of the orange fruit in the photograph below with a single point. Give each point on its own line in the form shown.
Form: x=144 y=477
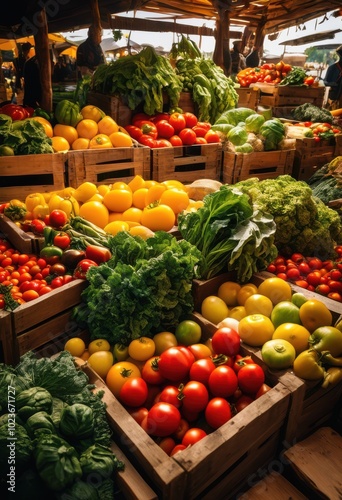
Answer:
x=75 y=346
x=69 y=133
x=132 y=214
x=118 y=200
x=60 y=144
x=139 y=197
x=245 y=292
x=107 y=125
x=46 y=124
x=175 y=198
x=87 y=128
x=80 y=143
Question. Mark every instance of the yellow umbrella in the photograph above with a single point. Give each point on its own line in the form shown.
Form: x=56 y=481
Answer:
x=12 y=43
x=70 y=51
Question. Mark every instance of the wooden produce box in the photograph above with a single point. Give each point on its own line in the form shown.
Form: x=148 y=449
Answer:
x=248 y=97
x=290 y=95
x=311 y=156
x=263 y=165
x=212 y=468
x=187 y=163
x=187 y=104
x=6 y=338
x=22 y=175
x=107 y=166
x=44 y=320
x=113 y=106
x=22 y=241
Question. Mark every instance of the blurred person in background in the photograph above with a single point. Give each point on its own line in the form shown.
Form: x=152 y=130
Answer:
x=32 y=84
x=333 y=79
x=253 y=58
x=237 y=58
x=19 y=62
x=89 y=54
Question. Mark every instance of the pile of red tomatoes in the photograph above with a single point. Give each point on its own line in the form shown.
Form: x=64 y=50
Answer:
x=312 y=273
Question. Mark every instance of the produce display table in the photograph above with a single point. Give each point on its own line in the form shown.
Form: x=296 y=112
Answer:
x=290 y=95
x=249 y=97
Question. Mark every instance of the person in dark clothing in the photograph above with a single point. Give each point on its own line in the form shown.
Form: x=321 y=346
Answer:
x=60 y=71
x=253 y=58
x=333 y=79
x=19 y=63
x=32 y=85
x=89 y=54
x=237 y=58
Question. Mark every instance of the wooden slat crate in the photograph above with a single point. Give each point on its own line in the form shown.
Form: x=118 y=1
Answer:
x=6 y=338
x=264 y=165
x=311 y=155
x=186 y=103
x=290 y=95
x=106 y=166
x=273 y=485
x=214 y=466
x=248 y=97
x=22 y=175
x=45 y=320
x=22 y=241
x=113 y=106
x=187 y=163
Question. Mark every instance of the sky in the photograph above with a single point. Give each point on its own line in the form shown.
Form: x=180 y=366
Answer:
x=165 y=40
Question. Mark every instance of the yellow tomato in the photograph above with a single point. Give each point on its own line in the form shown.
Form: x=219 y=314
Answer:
x=257 y=303
x=100 y=141
x=85 y=191
x=173 y=183
x=69 y=133
x=41 y=211
x=175 y=198
x=245 y=292
x=164 y=340
x=95 y=212
x=98 y=345
x=114 y=216
x=154 y=193
x=158 y=218
x=297 y=335
x=275 y=289
x=103 y=189
x=101 y=362
x=85 y=355
x=107 y=125
x=60 y=144
x=141 y=349
x=314 y=313
x=75 y=346
x=118 y=200
x=121 y=185
x=34 y=199
x=68 y=204
x=46 y=124
x=228 y=292
x=87 y=128
x=116 y=227
x=119 y=373
x=92 y=112
x=214 y=309
x=256 y=329
x=132 y=214
x=120 y=140
x=139 y=198
x=80 y=143
x=142 y=231
x=137 y=182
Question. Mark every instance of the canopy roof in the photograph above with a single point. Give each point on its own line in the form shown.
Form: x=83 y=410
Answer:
x=272 y=15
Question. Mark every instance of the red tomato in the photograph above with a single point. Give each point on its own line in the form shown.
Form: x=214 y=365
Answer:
x=163 y=143
x=205 y=125
x=335 y=296
x=150 y=371
x=323 y=289
x=250 y=378
x=138 y=413
x=187 y=136
x=183 y=427
x=37 y=226
x=140 y=116
x=263 y=389
x=293 y=273
x=223 y=381
x=190 y=119
x=170 y=394
x=218 y=412
x=241 y=361
x=57 y=282
x=97 y=253
x=44 y=290
x=336 y=274
x=211 y=136
x=178 y=122
x=174 y=364
x=304 y=268
x=192 y=436
x=176 y=141
x=160 y=116
x=58 y=218
x=134 y=131
x=177 y=449
x=199 y=131
x=335 y=286
x=242 y=402
x=163 y=419
x=314 y=278
x=147 y=140
x=167 y=444
x=194 y=396
x=165 y=129
x=226 y=341
x=201 y=369
x=62 y=240
x=200 y=140
x=315 y=263
x=82 y=268
x=133 y=392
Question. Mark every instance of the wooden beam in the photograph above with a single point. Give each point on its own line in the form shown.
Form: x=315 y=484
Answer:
x=41 y=40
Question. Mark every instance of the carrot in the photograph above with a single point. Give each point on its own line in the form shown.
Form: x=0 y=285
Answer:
x=336 y=112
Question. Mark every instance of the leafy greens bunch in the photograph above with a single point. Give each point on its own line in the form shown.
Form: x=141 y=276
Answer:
x=304 y=223
x=143 y=289
x=142 y=78
x=25 y=137
x=230 y=234
x=61 y=430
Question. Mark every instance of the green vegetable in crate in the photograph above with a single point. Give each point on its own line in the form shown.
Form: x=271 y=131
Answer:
x=15 y=211
x=307 y=365
x=244 y=148
x=20 y=448
x=327 y=338
x=81 y=490
x=56 y=462
x=274 y=132
x=308 y=112
x=39 y=423
x=32 y=400
x=237 y=135
x=77 y=421
x=27 y=137
x=97 y=459
x=254 y=122
x=235 y=115
x=68 y=113
x=296 y=76
x=57 y=406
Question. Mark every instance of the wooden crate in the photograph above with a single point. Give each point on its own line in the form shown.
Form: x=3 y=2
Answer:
x=113 y=106
x=6 y=338
x=187 y=163
x=311 y=156
x=248 y=97
x=290 y=95
x=22 y=241
x=45 y=320
x=23 y=175
x=106 y=166
x=264 y=165
x=187 y=104
x=214 y=466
